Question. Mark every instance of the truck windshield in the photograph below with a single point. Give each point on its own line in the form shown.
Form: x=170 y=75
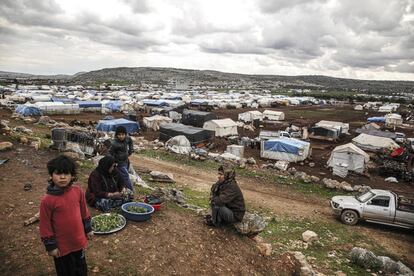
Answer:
x=364 y=197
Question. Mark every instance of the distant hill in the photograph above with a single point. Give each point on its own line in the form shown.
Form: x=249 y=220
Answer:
x=163 y=75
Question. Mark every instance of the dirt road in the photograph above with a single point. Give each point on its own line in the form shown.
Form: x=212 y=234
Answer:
x=282 y=201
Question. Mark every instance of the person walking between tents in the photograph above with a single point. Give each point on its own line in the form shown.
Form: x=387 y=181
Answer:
x=106 y=188
x=121 y=148
x=226 y=199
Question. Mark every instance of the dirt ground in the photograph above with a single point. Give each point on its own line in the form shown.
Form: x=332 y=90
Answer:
x=175 y=241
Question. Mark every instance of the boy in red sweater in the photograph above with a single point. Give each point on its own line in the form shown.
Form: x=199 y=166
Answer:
x=65 y=222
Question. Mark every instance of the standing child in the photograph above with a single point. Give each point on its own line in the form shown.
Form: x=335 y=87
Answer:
x=65 y=222
x=121 y=148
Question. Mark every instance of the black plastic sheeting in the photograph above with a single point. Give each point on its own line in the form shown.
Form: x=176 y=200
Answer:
x=194 y=134
x=197 y=118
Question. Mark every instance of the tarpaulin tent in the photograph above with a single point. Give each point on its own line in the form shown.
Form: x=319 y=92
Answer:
x=346 y=158
x=342 y=127
x=156 y=103
x=111 y=125
x=154 y=122
x=114 y=106
x=286 y=149
x=222 y=127
x=374 y=143
x=250 y=116
x=89 y=104
x=376 y=119
x=194 y=134
x=376 y=132
x=272 y=115
x=324 y=133
x=28 y=110
x=196 y=118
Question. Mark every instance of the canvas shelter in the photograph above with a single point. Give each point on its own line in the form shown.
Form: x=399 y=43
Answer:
x=28 y=110
x=196 y=118
x=342 y=127
x=285 y=149
x=272 y=115
x=222 y=127
x=324 y=133
x=386 y=109
x=179 y=144
x=154 y=122
x=377 y=132
x=346 y=158
x=111 y=125
x=374 y=143
x=48 y=108
x=195 y=135
x=393 y=119
x=250 y=116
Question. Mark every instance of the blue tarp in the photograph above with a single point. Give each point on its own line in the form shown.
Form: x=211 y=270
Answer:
x=155 y=103
x=284 y=145
x=86 y=104
x=111 y=125
x=114 y=106
x=62 y=100
x=376 y=119
x=28 y=110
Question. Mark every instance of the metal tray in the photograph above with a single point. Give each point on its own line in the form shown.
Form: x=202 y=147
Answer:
x=113 y=230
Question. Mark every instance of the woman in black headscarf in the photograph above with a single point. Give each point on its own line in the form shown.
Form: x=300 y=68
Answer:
x=106 y=189
x=226 y=198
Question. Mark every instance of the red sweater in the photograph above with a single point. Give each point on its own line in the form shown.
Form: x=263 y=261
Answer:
x=64 y=220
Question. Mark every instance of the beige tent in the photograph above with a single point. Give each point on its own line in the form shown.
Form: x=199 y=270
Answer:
x=393 y=119
x=374 y=143
x=155 y=121
x=222 y=128
x=346 y=158
x=273 y=115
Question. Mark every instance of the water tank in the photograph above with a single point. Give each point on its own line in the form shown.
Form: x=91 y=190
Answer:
x=59 y=138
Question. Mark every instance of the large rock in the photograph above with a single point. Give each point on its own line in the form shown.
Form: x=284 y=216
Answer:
x=281 y=165
x=364 y=258
x=305 y=268
x=404 y=270
x=44 y=120
x=251 y=224
x=72 y=155
x=74 y=147
x=251 y=161
x=388 y=265
x=162 y=177
x=23 y=129
x=330 y=183
x=5 y=146
x=172 y=195
x=309 y=236
x=265 y=249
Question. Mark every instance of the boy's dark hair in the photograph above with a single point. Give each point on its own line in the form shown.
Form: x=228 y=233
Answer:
x=62 y=164
x=120 y=129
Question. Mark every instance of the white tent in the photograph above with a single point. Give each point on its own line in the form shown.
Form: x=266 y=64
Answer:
x=49 y=108
x=343 y=127
x=179 y=144
x=285 y=149
x=393 y=119
x=374 y=143
x=346 y=158
x=155 y=121
x=222 y=128
x=250 y=116
x=273 y=115
x=386 y=109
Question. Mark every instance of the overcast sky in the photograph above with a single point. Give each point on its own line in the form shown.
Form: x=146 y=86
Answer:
x=365 y=39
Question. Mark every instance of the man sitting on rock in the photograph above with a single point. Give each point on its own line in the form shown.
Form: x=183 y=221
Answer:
x=226 y=199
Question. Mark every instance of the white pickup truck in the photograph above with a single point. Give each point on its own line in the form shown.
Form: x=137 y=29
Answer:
x=378 y=206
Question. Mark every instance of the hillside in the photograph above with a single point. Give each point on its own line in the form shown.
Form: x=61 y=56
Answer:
x=164 y=75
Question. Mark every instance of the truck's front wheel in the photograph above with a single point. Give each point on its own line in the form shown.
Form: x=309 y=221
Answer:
x=349 y=217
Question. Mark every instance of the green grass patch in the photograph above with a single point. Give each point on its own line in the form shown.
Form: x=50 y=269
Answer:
x=334 y=238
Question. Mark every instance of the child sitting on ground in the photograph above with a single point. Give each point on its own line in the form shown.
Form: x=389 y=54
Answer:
x=65 y=222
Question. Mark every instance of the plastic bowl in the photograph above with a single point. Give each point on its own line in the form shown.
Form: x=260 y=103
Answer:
x=137 y=216
x=156 y=207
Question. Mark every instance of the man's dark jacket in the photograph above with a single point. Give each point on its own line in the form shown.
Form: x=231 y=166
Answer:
x=121 y=150
x=229 y=194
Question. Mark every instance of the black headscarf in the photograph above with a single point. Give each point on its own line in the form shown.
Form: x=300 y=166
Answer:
x=105 y=164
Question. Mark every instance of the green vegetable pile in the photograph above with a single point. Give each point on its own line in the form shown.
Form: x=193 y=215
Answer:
x=136 y=209
x=106 y=223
